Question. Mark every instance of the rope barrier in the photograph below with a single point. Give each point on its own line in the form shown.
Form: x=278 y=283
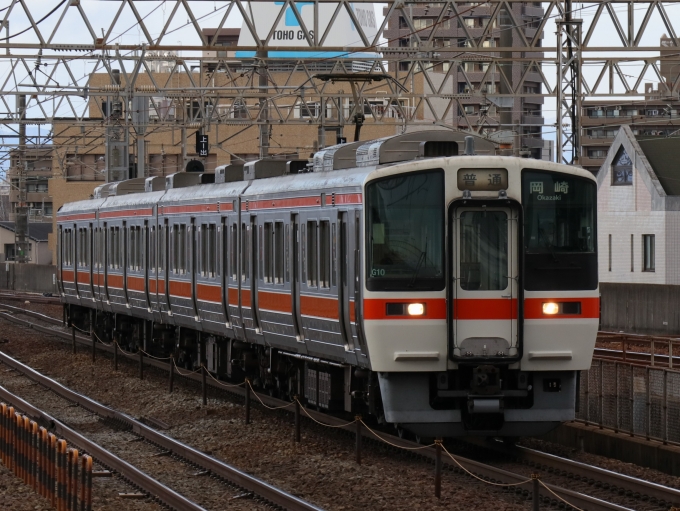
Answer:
x=180 y=372
x=560 y=498
x=80 y=329
x=98 y=339
x=152 y=356
x=126 y=353
x=302 y=407
x=222 y=383
x=267 y=407
x=395 y=445
x=479 y=478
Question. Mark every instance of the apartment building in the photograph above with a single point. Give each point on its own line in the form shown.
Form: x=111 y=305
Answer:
x=467 y=74
x=33 y=167
x=658 y=115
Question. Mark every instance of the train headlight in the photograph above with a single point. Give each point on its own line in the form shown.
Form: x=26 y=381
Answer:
x=416 y=309
x=551 y=308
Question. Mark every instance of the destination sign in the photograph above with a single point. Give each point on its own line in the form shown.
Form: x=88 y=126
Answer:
x=483 y=180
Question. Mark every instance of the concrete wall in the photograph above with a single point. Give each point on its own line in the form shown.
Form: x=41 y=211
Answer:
x=640 y=308
x=35 y=278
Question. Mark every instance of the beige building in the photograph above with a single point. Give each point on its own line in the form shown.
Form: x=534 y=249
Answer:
x=78 y=159
x=35 y=163
x=38 y=250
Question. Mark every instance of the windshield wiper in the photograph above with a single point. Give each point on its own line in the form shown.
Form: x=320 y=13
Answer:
x=549 y=246
x=421 y=260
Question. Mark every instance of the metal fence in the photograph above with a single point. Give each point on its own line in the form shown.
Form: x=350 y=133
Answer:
x=640 y=400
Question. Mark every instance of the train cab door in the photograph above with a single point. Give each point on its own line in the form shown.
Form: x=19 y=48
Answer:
x=485 y=249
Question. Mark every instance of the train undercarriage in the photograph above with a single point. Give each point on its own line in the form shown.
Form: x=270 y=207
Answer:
x=326 y=385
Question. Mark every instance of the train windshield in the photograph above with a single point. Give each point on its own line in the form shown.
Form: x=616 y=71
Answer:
x=405 y=232
x=560 y=242
x=559 y=213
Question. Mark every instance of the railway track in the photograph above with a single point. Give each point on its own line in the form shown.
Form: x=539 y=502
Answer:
x=158 y=445
x=605 y=484
x=599 y=487
x=103 y=456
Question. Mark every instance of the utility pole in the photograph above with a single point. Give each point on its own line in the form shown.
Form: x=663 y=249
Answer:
x=264 y=106
x=117 y=136
x=140 y=120
x=505 y=78
x=21 y=242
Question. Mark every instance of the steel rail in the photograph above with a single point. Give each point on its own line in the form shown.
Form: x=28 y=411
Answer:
x=482 y=470
x=138 y=478
x=550 y=461
x=216 y=467
x=38 y=315
x=31 y=298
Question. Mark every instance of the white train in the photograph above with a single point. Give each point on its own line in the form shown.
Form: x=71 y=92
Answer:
x=448 y=293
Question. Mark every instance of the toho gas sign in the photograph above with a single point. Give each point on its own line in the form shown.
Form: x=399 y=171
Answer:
x=288 y=31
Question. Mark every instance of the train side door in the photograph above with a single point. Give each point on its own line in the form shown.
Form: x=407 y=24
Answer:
x=91 y=258
x=193 y=264
x=343 y=263
x=484 y=246
x=223 y=260
x=295 y=280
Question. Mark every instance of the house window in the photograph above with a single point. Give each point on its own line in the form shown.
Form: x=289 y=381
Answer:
x=632 y=258
x=647 y=252
x=622 y=169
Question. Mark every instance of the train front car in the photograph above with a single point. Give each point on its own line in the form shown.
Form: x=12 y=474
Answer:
x=481 y=301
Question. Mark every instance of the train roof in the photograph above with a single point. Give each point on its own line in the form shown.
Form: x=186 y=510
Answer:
x=205 y=191
x=293 y=183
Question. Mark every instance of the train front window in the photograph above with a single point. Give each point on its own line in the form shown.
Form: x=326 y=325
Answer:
x=405 y=232
x=559 y=231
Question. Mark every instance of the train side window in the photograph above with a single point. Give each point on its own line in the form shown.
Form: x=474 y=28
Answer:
x=312 y=257
x=142 y=244
x=287 y=253
x=244 y=251
x=278 y=253
x=182 y=247
x=212 y=250
x=132 y=247
x=234 y=252
x=79 y=247
x=259 y=257
x=152 y=248
x=325 y=254
x=83 y=245
x=163 y=248
x=175 y=248
x=334 y=254
x=203 y=257
x=65 y=244
x=113 y=247
x=267 y=248
x=303 y=248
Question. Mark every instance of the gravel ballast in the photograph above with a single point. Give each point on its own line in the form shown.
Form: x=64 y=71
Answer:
x=320 y=469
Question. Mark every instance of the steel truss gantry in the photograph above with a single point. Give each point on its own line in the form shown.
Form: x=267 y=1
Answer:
x=52 y=54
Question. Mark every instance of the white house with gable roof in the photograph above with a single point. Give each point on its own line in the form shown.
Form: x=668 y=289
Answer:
x=639 y=210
